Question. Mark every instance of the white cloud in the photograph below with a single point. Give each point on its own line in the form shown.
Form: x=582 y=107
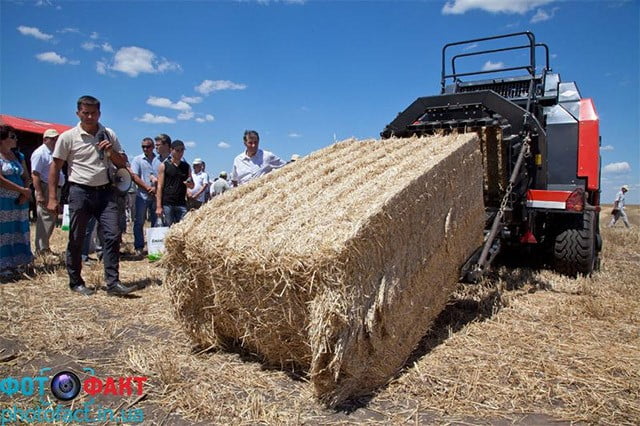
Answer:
x=88 y=45
x=606 y=148
x=542 y=15
x=207 y=117
x=617 y=168
x=106 y=47
x=34 y=32
x=94 y=36
x=101 y=67
x=52 y=57
x=134 y=60
x=187 y=115
x=492 y=66
x=69 y=30
x=471 y=46
x=223 y=145
x=191 y=99
x=458 y=7
x=208 y=86
x=190 y=144
x=294 y=135
x=156 y=119
x=166 y=103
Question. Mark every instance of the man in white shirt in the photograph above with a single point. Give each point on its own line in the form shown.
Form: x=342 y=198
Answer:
x=220 y=185
x=253 y=162
x=618 y=208
x=200 y=185
x=41 y=160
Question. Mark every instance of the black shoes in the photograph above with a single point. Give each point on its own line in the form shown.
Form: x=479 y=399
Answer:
x=120 y=290
x=82 y=289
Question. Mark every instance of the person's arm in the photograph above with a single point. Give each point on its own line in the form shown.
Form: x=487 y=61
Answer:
x=38 y=188
x=24 y=191
x=203 y=187
x=159 y=190
x=234 y=175
x=112 y=149
x=138 y=181
x=54 y=173
x=189 y=181
x=276 y=162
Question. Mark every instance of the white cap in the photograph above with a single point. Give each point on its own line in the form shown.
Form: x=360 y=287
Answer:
x=51 y=133
x=223 y=174
x=197 y=161
x=295 y=157
x=625 y=187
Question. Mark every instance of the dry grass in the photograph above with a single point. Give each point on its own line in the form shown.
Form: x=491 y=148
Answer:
x=528 y=345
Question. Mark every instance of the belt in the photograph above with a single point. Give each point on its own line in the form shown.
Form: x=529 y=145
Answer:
x=105 y=187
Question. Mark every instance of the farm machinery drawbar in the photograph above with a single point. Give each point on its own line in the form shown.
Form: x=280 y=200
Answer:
x=540 y=147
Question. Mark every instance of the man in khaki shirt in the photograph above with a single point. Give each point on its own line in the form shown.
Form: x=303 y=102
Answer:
x=88 y=149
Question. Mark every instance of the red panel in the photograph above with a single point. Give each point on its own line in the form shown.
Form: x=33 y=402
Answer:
x=31 y=125
x=541 y=195
x=589 y=145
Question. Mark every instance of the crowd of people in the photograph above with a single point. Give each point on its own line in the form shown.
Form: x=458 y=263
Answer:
x=166 y=188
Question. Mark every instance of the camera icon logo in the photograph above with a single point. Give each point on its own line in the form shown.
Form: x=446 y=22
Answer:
x=65 y=385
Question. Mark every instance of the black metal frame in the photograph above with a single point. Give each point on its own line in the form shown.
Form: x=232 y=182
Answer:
x=530 y=68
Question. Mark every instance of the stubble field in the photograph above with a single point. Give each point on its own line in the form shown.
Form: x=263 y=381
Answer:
x=527 y=345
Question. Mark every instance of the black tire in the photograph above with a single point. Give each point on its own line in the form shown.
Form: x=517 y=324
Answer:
x=575 y=251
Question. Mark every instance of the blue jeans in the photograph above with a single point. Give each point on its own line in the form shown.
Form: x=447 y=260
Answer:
x=142 y=206
x=173 y=214
x=100 y=203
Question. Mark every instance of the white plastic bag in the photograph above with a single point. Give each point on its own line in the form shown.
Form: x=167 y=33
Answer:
x=65 y=217
x=155 y=242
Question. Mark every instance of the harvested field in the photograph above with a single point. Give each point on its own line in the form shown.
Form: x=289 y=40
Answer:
x=340 y=276
x=528 y=346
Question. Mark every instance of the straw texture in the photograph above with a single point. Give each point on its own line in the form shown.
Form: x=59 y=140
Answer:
x=336 y=264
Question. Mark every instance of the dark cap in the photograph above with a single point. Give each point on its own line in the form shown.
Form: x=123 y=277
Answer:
x=177 y=144
x=164 y=138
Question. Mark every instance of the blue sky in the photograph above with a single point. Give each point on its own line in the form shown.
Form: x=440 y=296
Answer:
x=302 y=73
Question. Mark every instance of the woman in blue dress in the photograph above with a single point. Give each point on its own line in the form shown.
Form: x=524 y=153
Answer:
x=15 y=249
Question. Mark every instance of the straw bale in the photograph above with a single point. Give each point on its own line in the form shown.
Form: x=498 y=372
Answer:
x=337 y=263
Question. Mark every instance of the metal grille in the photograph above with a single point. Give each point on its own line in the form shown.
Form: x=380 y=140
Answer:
x=509 y=90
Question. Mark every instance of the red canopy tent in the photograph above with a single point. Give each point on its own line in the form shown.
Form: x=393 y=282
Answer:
x=31 y=125
x=30 y=133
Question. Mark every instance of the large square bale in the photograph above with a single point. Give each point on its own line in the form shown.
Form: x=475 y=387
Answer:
x=336 y=264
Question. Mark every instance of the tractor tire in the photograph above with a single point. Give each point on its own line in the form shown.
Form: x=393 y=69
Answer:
x=576 y=251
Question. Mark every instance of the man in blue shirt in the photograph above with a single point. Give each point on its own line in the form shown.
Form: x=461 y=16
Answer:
x=145 y=166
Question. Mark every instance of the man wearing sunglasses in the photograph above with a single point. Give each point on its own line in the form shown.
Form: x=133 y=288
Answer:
x=145 y=166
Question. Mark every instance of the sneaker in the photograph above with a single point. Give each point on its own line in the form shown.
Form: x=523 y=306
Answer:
x=139 y=252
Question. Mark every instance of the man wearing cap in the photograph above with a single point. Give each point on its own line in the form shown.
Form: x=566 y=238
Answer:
x=88 y=149
x=174 y=177
x=41 y=160
x=220 y=185
x=145 y=166
x=253 y=162
x=618 y=208
x=200 y=185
